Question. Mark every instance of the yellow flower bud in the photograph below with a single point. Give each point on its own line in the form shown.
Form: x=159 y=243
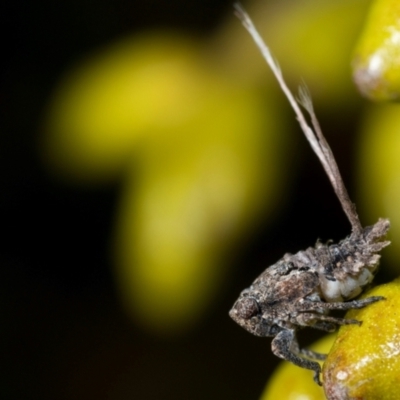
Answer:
x=376 y=63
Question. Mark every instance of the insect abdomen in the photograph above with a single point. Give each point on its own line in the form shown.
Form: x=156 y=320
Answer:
x=352 y=263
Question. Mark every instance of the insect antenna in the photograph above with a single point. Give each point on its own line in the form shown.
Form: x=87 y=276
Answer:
x=314 y=135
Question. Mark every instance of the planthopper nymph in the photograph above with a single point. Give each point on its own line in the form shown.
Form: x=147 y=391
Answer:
x=300 y=289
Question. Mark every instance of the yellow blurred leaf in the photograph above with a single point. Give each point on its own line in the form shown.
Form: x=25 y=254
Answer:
x=135 y=89
x=195 y=192
x=378 y=170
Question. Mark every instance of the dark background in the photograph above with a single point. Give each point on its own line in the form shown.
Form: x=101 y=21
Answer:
x=62 y=332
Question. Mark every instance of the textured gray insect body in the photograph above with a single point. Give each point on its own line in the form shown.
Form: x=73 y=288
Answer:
x=300 y=289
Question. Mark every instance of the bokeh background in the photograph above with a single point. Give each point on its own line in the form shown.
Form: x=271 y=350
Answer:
x=150 y=170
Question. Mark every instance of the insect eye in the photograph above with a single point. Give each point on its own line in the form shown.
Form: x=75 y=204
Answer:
x=247 y=308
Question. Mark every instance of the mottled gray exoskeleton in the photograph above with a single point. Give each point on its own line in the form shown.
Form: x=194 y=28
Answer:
x=300 y=289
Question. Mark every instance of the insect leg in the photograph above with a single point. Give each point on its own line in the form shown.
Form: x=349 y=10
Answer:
x=281 y=347
x=312 y=355
x=318 y=321
x=325 y=326
x=361 y=303
x=348 y=305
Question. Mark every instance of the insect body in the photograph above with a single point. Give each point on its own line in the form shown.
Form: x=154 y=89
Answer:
x=300 y=289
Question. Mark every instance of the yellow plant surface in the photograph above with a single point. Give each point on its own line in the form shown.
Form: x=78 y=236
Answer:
x=364 y=362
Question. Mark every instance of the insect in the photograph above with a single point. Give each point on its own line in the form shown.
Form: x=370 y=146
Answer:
x=301 y=289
